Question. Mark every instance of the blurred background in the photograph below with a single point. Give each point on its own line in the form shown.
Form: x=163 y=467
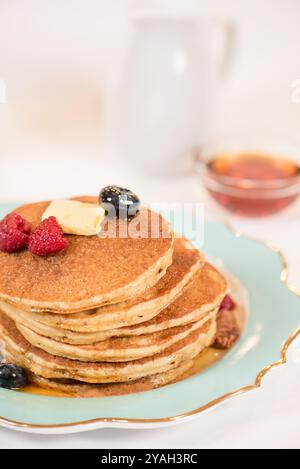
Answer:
x=128 y=92
x=65 y=64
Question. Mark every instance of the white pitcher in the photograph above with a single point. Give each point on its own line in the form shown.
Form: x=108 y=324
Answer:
x=167 y=101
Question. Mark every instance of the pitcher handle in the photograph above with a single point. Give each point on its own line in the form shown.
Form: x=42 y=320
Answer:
x=227 y=46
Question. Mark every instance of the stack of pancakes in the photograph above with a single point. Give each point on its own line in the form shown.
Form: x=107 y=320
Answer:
x=108 y=315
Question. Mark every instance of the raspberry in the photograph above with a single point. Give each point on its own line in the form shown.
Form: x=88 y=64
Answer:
x=14 y=233
x=16 y=222
x=227 y=304
x=48 y=238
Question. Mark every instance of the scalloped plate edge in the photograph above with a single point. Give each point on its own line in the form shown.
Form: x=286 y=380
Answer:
x=99 y=423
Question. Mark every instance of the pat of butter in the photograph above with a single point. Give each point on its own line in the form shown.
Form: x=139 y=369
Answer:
x=76 y=218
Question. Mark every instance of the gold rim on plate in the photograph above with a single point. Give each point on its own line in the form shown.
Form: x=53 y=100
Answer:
x=258 y=382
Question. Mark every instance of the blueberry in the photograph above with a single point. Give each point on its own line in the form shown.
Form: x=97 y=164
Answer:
x=12 y=377
x=119 y=202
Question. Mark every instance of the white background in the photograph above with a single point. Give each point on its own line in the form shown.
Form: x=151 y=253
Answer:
x=59 y=60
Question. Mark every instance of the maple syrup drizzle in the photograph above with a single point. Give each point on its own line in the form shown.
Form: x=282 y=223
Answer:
x=204 y=360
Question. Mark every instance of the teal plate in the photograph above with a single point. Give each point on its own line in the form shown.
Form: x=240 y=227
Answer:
x=273 y=324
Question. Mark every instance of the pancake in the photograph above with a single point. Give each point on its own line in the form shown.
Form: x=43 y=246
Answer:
x=76 y=389
x=109 y=315
x=48 y=366
x=205 y=292
x=118 y=349
x=92 y=271
x=187 y=261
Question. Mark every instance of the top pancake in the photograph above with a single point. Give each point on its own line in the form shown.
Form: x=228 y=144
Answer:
x=91 y=271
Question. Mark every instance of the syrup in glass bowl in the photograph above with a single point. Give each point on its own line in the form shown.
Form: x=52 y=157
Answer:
x=252 y=184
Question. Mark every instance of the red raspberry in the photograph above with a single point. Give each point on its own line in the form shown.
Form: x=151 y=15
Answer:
x=227 y=304
x=14 y=233
x=48 y=238
x=16 y=222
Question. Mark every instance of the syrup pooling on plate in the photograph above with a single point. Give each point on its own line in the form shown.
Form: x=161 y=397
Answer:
x=206 y=359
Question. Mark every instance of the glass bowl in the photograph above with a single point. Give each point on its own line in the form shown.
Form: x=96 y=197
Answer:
x=250 y=177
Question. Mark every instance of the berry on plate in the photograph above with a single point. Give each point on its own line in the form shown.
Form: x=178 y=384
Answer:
x=227 y=304
x=12 y=377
